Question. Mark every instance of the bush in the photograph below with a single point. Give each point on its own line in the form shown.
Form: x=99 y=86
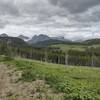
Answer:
x=65 y=87
x=81 y=95
x=5 y=58
x=28 y=75
x=8 y=58
x=52 y=79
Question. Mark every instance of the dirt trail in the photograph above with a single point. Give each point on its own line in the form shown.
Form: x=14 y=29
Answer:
x=12 y=89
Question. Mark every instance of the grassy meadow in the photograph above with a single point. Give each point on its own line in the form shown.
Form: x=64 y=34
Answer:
x=66 y=47
x=75 y=83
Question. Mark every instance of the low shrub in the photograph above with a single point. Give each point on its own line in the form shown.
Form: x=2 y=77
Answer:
x=28 y=75
x=5 y=58
x=64 y=87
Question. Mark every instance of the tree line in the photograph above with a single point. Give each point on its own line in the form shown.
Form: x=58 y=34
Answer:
x=89 y=57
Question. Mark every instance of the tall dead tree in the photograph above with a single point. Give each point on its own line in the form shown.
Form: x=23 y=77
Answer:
x=46 y=57
x=66 y=59
x=92 y=53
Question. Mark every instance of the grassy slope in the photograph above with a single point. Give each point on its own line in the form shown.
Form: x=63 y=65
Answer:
x=78 y=83
x=67 y=47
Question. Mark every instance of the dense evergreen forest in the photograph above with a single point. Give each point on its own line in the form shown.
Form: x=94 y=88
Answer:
x=15 y=47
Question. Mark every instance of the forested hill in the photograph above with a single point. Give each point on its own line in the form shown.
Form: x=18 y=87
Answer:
x=50 y=42
x=92 y=41
x=54 y=41
x=13 y=41
x=88 y=56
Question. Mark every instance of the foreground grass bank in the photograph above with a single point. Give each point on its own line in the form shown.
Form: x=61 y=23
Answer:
x=77 y=83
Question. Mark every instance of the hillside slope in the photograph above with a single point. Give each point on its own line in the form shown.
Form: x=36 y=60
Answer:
x=92 y=41
x=76 y=83
x=13 y=89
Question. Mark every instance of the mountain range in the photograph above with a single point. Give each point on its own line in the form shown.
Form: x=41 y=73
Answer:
x=43 y=40
x=25 y=38
x=37 y=38
x=4 y=35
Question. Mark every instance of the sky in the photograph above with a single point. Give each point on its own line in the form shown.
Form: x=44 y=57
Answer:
x=73 y=19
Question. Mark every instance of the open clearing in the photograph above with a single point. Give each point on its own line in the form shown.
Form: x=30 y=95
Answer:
x=23 y=79
x=11 y=88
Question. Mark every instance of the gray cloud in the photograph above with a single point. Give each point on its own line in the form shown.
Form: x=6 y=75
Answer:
x=76 y=6
x=8 y=8
x=50 y=16
x=2 y=24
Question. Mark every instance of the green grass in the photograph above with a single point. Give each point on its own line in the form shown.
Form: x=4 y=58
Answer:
x=66 y=47
x=77 y=83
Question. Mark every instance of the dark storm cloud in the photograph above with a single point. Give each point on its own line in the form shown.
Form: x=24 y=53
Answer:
x=76 y=6
x=45 y=11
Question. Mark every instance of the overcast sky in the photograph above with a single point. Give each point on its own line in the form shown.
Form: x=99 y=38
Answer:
x=73 y=19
